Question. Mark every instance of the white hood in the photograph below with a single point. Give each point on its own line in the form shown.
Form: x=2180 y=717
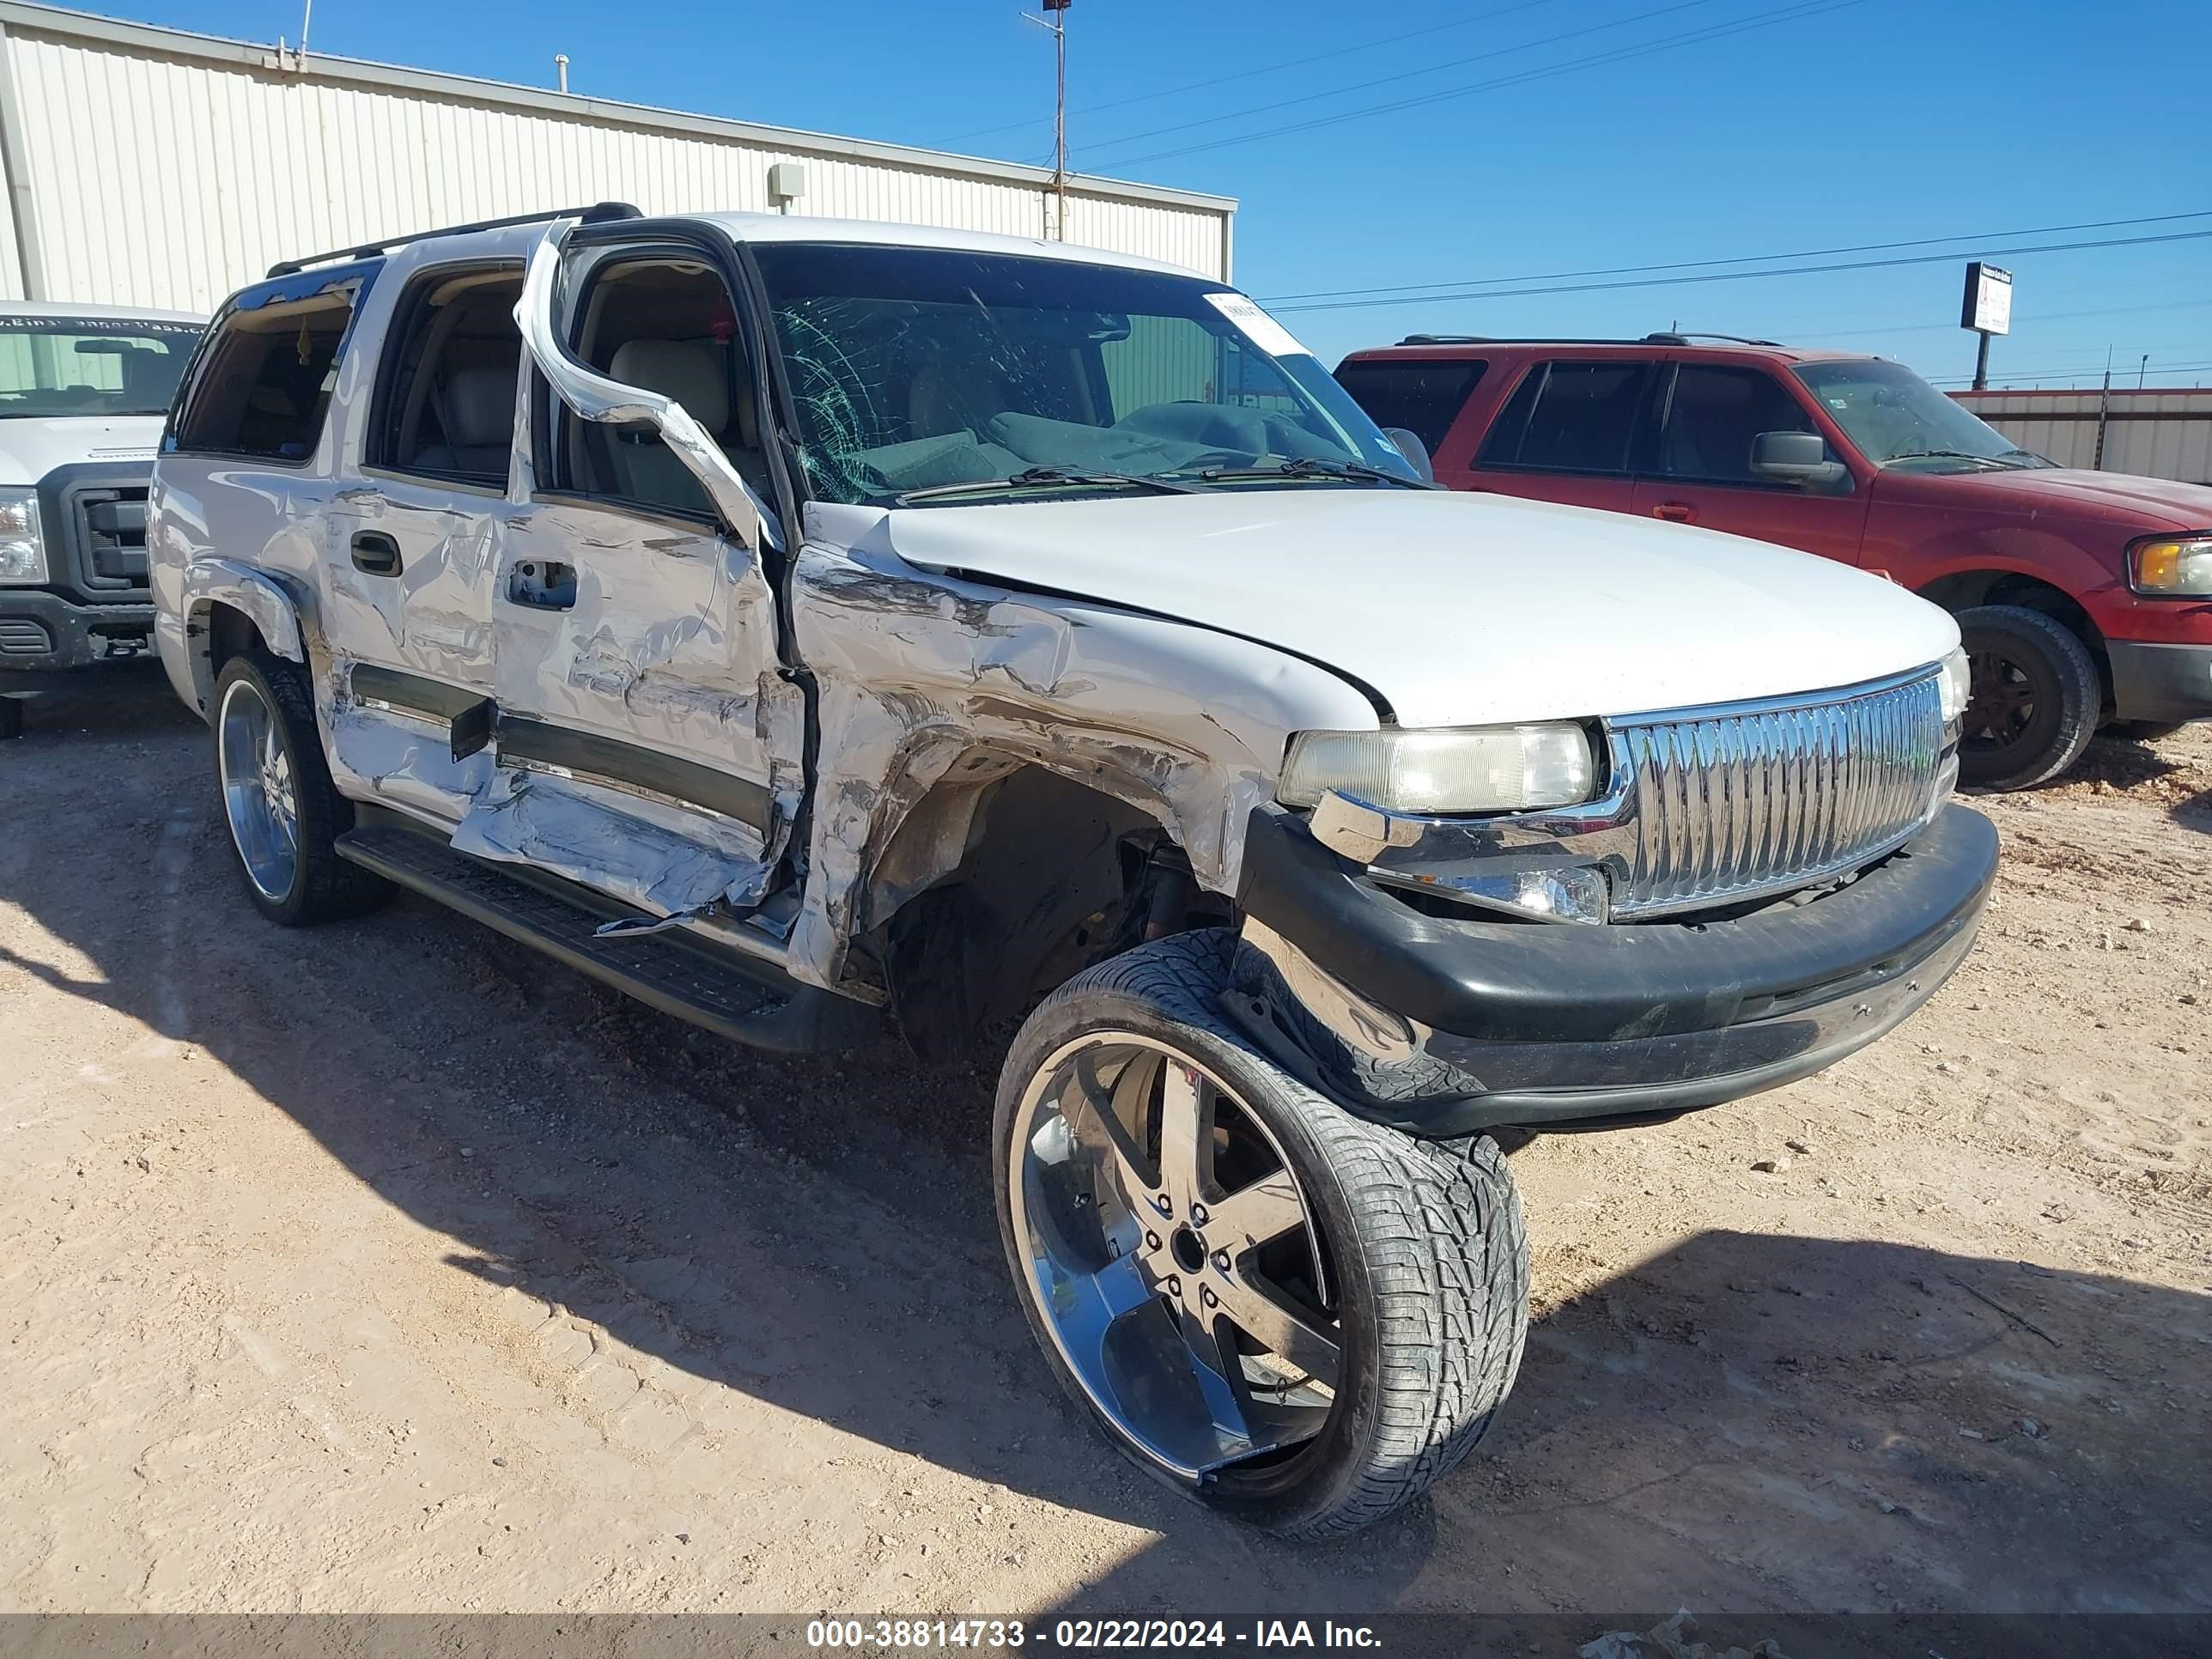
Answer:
x=1459 y=609
x=32 y=445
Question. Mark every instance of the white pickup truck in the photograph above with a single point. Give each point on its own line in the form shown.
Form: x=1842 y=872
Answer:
x=798 y=623
x=82 y=392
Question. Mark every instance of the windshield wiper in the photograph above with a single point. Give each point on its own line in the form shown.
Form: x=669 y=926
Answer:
x=1956 y=455
x=1045 y=475
x=1309 y=466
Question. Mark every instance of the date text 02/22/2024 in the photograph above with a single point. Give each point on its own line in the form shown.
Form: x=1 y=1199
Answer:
x=1083 y=1634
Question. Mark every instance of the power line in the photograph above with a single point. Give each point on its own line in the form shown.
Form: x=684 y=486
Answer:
x=2018 y=317
x=1403 y=74
x=1743 y=275
x=1789 y=14
x=2094 y=375
x=1247 y=74
x=1288 y=300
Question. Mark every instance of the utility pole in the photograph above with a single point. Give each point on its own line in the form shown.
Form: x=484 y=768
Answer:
x=2141 y=369
x=1055 y=20
x=2103 y=416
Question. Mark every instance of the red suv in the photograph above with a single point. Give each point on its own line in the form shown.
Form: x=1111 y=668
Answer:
x=2085 y=598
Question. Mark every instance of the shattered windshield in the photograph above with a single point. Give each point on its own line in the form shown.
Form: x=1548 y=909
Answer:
x=1897 y=418
x=915 y=369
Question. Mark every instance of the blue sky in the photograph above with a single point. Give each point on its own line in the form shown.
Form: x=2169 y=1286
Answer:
x=1825 y=124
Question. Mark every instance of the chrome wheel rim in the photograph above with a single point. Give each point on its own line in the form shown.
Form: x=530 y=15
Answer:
x=259 y=797
x=1172 y=1255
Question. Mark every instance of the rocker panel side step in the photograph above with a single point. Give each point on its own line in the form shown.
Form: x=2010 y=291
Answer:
x=666 y=971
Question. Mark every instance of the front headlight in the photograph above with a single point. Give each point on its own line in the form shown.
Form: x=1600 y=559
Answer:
x=1499 y=769
x=2172 y=567
x=1958 y=686
x=22 y=547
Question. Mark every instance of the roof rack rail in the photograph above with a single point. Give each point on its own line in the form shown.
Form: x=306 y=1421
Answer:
x=1671 y=338
x=597 y=213
x=1662 y=337
x=1523 y=339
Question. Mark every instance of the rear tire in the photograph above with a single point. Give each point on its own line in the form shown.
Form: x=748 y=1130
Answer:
x=11 y=718
x=2035 y=701
x=282 y=810
x=1410 y=1321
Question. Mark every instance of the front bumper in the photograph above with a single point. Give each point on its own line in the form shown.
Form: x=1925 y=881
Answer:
x=1446 y=1028
x=2160 y=682
x=43 y=634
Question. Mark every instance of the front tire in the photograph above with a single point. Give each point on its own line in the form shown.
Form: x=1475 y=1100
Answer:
x=2035 y=701
x=1295 y=1317
x=283 y=812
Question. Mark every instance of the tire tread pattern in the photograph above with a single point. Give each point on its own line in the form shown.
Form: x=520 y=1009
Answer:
x=1439 y=1227
x=327 y=888
x=2081 y=695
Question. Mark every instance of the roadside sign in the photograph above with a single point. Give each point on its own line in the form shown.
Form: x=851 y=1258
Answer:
x=1988 y=306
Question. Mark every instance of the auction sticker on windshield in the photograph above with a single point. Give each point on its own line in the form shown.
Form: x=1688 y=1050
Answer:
x=1256 y=325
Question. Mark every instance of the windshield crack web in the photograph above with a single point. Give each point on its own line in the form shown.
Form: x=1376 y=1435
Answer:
x=914 y=369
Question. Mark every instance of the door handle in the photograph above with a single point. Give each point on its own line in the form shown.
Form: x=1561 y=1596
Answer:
x=375 y=554
x=1675 y=511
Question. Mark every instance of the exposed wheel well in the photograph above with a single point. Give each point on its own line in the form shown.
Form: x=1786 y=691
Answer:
x=1004 y=882
x=230 y=633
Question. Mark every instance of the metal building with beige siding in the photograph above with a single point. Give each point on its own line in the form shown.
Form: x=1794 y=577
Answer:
x=153 y=167
x=2155 y=433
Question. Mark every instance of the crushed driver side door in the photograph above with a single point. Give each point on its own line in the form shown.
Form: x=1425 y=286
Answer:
x=648 y=742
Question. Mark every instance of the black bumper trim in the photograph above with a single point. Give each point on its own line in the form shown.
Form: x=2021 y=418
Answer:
x=82 y=636
x=1532 y=1024
x=2160 y=682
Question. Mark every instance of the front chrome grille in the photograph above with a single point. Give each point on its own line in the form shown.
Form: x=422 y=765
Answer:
x=1737 y=801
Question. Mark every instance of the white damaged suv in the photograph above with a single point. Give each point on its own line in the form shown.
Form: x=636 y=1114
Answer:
x=799 y=625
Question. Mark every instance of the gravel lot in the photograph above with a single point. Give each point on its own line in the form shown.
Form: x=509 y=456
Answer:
x=388 y=1267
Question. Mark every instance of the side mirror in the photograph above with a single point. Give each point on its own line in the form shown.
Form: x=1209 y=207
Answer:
x=1797 y=458
x=593 y=397
x=1414 y=450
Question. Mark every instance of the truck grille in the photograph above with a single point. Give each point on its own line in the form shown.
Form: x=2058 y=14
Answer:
x=113 y=522
x=1733 y=803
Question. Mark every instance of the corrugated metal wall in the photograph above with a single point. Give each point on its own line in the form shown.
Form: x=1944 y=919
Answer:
x=2153 y=433
x=167 y=169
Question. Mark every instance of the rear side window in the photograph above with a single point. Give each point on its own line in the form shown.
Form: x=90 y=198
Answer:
x=1569 y=417
x=263 y=382
x=446 y=406
x=1425 y=398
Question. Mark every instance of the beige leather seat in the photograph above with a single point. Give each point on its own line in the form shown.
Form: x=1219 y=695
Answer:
x=691 y=371
x=938 y=403
x=475 y=411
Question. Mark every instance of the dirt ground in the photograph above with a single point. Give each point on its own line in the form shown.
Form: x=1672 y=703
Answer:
x=389 y=1267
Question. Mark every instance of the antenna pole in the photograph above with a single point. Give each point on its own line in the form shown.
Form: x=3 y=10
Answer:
x=1055 y=18
x=1060 y=122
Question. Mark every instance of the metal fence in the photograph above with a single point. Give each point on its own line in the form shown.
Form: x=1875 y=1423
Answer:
x=2157 y=433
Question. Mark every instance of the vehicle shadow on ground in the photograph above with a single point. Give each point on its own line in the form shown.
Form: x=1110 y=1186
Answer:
x=2129 y=766
x=817 y=1234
